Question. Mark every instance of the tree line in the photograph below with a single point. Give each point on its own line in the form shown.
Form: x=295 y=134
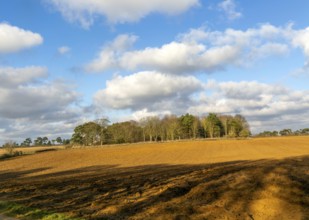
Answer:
x=284 y=132
x=154 y=128
x=39 y=141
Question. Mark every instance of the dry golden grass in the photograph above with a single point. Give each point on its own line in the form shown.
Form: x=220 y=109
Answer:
x=263 y=178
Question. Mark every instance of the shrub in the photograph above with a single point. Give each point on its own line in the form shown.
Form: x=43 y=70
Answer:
x=9 y=147
x=244 y=133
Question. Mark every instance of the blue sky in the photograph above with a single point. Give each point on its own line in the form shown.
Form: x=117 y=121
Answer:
x=64 y=62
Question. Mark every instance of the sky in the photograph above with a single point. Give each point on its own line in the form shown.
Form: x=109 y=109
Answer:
x=65 y=62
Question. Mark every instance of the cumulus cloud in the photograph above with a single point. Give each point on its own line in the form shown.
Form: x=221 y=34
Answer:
x=64 y=50
x=266 y=106
x=33 y=105
x=300 y=39
x=229 y=8
x=180 y=58
x=255 y=36
x=197 y=51
x=268 y=49
x=20 y=129
x=107 y=58
x=249 y=90
x=143 y=113
x=13 y=77
x=22 y=97
x=117 y=11
x=146 y=90
x=14 y=39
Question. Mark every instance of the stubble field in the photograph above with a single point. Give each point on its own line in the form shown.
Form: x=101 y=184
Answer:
x=263 y=178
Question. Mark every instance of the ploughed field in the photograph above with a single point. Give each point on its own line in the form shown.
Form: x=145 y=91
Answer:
x=260 y=178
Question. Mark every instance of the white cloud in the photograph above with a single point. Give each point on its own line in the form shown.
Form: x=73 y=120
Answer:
x=249 y=90
x=229 y=8
x=300 y=39
x=265 y=106
x=14 y=39
x=252 y=36
x=33 y=106
x=63 y=50
x=268 y=49
x=20 y=129
x=194 y=35
x=137 y=115
x=35 y=101
x=198 y=51
x=14 y=77
x=23 y=94
x=179 y=58
x=145 y=90
x=118 y=11
x=107 y=58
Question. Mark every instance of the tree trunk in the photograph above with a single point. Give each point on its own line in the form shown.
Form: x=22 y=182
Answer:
x=144 y=135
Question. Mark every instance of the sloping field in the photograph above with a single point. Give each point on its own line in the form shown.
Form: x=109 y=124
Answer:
x=31 y=150
x=265 y=178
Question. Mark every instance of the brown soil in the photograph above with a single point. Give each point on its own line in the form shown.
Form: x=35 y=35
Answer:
x=265 y=178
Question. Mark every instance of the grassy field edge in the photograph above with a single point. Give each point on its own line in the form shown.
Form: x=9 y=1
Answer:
x=12 y=209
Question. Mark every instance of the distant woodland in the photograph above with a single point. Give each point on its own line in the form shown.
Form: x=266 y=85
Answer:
x=284 y=132
x=153 y=128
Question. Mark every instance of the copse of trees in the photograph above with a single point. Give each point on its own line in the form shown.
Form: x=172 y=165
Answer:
x=284 y=132
x=167 y=128
x=304 y=131
x=124 y=132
